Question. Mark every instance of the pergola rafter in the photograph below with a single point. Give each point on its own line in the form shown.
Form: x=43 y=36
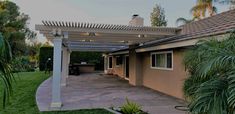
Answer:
x=88 y=33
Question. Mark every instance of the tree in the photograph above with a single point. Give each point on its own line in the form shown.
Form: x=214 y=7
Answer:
x=210 y=88
x=158 y=16
x=199 y=11
x=13 y=26
x=182 y=21
x=202 y=7
x=6 y=76
x=14 y=32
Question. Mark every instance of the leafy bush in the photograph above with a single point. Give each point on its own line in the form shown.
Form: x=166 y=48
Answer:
x=44 y=54
x=22 y=64
x=131 y=108
x=210 y=88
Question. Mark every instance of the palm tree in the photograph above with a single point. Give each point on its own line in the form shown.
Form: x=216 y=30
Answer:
x=210 y=88
x=182 y=21
x=6 y=75
x=203 y=6
x=199 y=11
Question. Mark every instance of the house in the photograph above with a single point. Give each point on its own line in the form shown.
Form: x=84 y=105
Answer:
x=158 y=64
x=146 y=56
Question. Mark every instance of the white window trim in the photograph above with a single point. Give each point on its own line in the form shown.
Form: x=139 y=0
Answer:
x=162 y=52
x=108 y=62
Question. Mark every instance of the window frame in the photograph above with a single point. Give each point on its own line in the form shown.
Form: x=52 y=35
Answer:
x=162 y=68
x=116 y=60
x=109 y=61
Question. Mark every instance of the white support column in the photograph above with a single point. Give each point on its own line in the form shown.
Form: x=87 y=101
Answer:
x=105 y=63
x=68 y=61
x=56 y=79
x=64 y=66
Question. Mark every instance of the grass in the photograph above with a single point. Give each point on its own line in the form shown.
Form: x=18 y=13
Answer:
x=23 y=99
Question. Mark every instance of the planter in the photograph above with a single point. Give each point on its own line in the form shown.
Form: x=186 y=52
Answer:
x=118 y=111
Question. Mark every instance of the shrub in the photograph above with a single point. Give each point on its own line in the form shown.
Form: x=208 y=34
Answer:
x=22 y=64
x=131 y=108
x=44 y=54
x=211 y=82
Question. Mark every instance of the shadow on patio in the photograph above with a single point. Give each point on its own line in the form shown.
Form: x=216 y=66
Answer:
x=99 y=91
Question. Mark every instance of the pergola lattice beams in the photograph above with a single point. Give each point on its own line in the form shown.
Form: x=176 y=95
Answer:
x=102 y=37
x=94 y=46
x=108 y=26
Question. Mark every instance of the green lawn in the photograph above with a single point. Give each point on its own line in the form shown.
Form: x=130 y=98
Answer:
x=23 y=99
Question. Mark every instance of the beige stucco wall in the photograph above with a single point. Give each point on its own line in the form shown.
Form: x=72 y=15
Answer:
x=135 y=68
x=117 y=70
x=169 y=82
x=166 y=81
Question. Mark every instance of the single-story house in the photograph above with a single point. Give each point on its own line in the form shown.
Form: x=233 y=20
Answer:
x=146 y=56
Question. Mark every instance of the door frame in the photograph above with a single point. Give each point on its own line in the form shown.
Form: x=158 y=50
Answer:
x=125 y=69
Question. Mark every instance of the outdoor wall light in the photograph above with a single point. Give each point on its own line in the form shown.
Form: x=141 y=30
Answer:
x=142 y=36
x=123 y=41
x=141 y=44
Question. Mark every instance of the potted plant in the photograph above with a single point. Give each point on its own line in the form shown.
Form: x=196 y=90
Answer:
x=128 y=108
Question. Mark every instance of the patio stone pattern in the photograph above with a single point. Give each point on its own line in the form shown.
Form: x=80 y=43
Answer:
x=95 y=90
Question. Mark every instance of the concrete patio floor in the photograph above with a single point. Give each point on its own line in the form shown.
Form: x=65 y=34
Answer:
x=101 y=91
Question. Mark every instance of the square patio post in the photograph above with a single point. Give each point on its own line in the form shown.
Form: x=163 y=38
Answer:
x=68 y=61
x=64 y=66
x=105 y=63
x=135 y=67
x=56 y=79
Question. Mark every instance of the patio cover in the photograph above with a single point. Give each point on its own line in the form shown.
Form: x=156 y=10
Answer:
x=76 y=36
x=101 y=37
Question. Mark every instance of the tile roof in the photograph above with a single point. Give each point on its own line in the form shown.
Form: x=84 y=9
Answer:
x=217 y=24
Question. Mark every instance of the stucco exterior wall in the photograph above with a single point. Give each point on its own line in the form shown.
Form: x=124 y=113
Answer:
x=169 y=82
x=166 y=81
x=118 y=69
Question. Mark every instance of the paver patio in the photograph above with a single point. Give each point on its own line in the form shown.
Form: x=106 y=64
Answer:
x=99 y=91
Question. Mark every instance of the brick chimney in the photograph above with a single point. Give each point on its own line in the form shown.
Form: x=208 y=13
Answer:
x=136 y=20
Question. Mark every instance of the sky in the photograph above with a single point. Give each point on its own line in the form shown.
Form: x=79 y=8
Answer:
x=104 y=11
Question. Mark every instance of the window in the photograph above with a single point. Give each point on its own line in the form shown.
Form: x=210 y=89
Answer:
x=118 y=60
x=110 y=62
x=162 y=60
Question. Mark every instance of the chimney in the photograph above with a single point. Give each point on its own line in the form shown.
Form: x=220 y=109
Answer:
x=136 y=20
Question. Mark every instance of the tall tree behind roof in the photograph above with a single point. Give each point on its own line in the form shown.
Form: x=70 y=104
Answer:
x=158 y=16
x=203 y=7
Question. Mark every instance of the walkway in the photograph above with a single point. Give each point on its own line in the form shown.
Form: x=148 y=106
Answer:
x=98 y=91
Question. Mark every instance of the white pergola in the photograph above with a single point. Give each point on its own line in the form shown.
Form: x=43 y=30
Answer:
x=75 y=36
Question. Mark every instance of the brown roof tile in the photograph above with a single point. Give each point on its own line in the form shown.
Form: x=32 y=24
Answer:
x=217 y=24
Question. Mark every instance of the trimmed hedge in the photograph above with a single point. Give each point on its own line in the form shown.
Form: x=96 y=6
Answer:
x=45 y=53
x=76 y=57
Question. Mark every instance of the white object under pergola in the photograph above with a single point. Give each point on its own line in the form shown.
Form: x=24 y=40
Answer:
x=75 y=36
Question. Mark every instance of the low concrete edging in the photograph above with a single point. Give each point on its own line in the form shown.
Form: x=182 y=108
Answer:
x=112 y=111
